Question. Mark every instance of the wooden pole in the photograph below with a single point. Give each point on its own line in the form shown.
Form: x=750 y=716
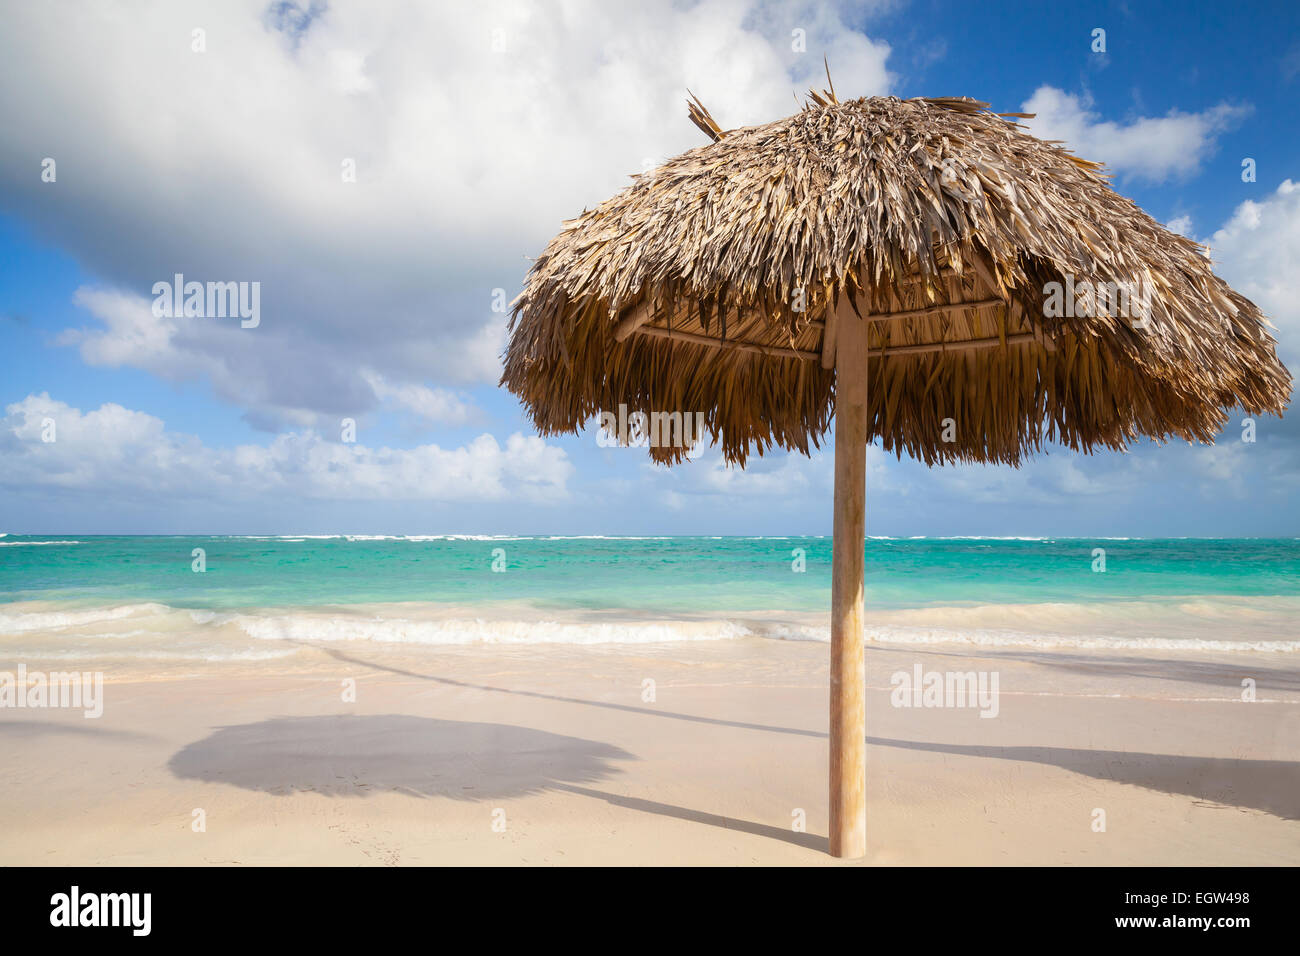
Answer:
x=848 y=756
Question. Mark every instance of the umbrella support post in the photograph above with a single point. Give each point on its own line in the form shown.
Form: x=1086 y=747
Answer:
x=848 y=744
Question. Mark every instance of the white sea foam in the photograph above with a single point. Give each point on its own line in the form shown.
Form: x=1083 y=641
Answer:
x=499 y=537
x=315 y=627
x=458 y=537
x=1008 y=638
x=997 y=638
x=378 y=537
x=282 y=537
x=55 y=620
x=22 y=544
x=155 y=630
x=312 y=627
x=198 y=654
x=606 y=537
x=975 y=537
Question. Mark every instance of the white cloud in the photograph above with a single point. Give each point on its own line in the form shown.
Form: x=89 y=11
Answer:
x=130 y=334
x=1257 y=251
x=429 y=404
x=117 y=454
x=1053 y=479
x=266 y=370
x=774 y=476
x=227 y=165
x=778 y=476
x=1153 y=148
x=1225 y=465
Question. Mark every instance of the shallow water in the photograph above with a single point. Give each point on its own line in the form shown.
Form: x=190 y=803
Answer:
x=99 y=596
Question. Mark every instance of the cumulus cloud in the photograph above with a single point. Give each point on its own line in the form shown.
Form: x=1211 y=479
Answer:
x=117 y=453
x=1053 y=479
x=777 y=479
x=774 y=476
x=1153 y=148
x=433 y=405
x=471 y=131
x=1257 y=251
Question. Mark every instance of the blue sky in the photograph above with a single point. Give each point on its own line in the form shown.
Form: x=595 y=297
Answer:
x=474 y=133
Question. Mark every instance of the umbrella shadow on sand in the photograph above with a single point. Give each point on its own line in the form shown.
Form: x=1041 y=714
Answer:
x=1271 y=786
x=357 y=756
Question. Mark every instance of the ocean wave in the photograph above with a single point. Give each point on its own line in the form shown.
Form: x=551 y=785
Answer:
x=972 y=537
x=458 y=537
x=1189 y=625
x=20 y=544
x=995 y=638
x=377 y=537
x=310 y=628
x=205 y=655
x=878 y=634
x=451 y=537
x=606 y=537
x=56 y=620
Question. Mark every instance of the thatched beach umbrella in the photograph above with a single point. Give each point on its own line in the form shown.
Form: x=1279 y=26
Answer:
x=991 y=288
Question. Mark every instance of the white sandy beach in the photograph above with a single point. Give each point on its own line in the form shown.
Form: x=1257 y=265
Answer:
x=556 y=745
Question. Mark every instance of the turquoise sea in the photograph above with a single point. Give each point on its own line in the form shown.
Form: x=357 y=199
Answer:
x=74 y=592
